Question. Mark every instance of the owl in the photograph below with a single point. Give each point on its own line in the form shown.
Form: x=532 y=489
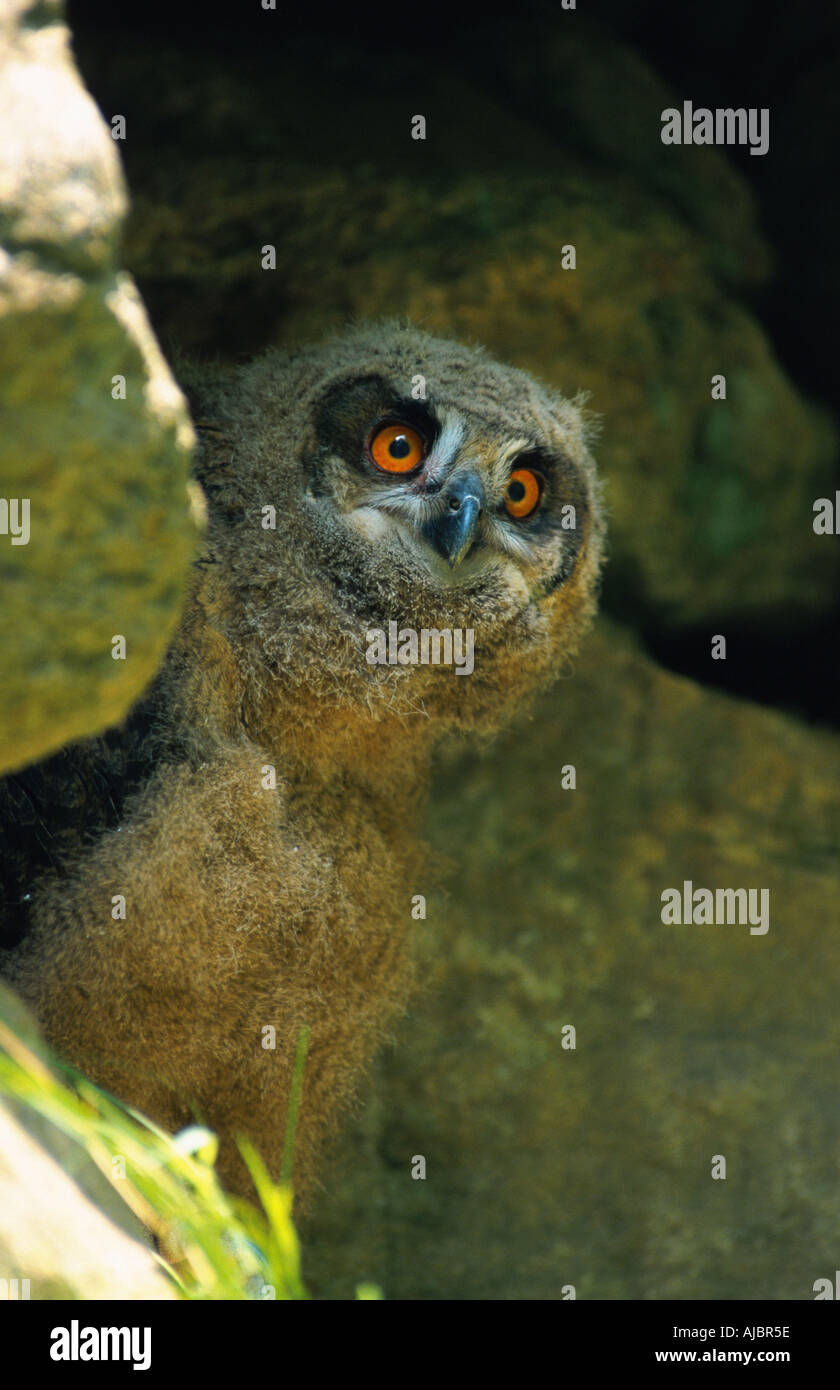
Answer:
x=403 y=541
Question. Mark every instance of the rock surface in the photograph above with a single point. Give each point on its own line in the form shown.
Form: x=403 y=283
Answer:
x=591 y=1167
x=56 y=1240
x=111 y=525
x=63 y=1229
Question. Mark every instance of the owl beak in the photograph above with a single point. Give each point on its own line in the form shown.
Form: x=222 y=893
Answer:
x=454 y=531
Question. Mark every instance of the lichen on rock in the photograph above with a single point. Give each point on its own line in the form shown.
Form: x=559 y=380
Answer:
x=103 y=467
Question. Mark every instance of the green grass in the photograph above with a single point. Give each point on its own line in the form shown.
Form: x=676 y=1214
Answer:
x=218 y=1246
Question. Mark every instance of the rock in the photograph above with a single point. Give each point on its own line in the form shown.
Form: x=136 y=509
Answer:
x=578 y=79
x=111 y=526
x=62 y=1227
x=549 y=1167
x=54 y=1242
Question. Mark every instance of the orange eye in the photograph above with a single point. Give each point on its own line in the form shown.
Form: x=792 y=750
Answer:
x=523 y=492
x=397 y=448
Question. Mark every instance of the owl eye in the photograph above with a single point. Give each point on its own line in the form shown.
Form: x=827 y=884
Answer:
x=396 y=448
x=523 y=493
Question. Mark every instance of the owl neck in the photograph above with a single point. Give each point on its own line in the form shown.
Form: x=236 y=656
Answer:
x=382 y=761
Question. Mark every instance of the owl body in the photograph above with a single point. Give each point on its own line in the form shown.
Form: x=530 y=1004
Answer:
x=256 y=819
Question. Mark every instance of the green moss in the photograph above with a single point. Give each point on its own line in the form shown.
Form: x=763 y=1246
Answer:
x=548 y=1166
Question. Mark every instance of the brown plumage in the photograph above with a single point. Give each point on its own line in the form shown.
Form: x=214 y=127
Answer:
x=249 y=905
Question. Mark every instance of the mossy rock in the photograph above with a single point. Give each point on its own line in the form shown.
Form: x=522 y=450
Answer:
x=102 y=467
x=591 y=1167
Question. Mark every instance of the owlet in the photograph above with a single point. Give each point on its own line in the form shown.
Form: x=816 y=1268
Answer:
x=403 y=540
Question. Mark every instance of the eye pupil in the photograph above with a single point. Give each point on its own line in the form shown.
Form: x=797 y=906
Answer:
x=516 y=490
x=399 y=447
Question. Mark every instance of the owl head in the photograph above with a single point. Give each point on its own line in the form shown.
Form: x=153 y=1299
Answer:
x=389 y=483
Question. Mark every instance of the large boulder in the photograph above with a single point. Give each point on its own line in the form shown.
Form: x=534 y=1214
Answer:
x=97 y=527
x=591 y=1167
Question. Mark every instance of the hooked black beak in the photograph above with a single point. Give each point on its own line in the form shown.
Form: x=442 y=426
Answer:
x=453 y=533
